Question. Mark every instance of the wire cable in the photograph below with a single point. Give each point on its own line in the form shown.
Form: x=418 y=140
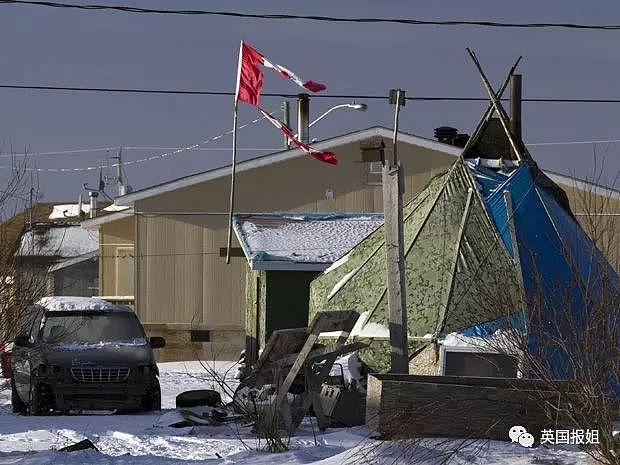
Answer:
x=316 y=18
x=97 y=150
x=142 y=160
x=288 y=95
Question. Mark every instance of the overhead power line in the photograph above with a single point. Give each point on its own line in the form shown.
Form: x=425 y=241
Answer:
x=288 y=95
x=316 y=18
x=98 y=150
x=143 y=160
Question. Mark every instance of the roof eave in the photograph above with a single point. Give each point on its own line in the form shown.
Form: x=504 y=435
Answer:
x=269 y=265
x=94 y=223
x=129 y=199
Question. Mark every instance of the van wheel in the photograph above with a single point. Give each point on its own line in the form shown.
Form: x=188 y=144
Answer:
x=17 y=405
x=152 y=400
x=40 y=399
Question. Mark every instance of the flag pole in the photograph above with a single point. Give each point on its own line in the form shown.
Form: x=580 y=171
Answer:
x=233 y=167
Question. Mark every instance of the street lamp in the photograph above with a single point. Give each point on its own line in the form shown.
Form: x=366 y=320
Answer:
x=303 y=110
x=353 y=106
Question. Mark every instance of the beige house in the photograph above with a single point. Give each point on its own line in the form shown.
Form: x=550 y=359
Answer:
x=164 y=252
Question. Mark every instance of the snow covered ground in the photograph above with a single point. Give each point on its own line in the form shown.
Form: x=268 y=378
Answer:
x=136 y=439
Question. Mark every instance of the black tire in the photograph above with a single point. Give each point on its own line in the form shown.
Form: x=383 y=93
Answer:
x=40 y=399
x=17 y=404
x=198 y=398
x=152 y=399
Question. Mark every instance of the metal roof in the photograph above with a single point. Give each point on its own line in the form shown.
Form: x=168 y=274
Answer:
x=300 y=241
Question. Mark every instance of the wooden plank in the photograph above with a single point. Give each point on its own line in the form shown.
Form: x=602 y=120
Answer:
x=322 y=322
x=347 y=349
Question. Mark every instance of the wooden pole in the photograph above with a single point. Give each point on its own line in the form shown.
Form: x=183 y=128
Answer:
x=490 y=108
x=503 y=118
x=393 y=187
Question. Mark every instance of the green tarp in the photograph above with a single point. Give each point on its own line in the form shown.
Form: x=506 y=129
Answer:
x=458 y=272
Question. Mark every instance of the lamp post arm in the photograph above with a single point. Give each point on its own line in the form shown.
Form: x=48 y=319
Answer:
x=327 y=113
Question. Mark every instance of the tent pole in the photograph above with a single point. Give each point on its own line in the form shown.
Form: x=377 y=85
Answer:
x=498 y=107
x=489 y=112
x=393 y=187
x=455 y=258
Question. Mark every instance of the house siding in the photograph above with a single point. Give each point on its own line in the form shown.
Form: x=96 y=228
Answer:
x=112 y=237
x=184 y=281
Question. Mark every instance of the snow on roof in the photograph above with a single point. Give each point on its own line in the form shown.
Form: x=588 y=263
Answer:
x=300 y=241
x=67 y=210
x=57 y=241
x=115 y=208
x=61 y=303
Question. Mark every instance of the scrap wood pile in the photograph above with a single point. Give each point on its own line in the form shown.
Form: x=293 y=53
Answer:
x=290 y=376
x=294 y=375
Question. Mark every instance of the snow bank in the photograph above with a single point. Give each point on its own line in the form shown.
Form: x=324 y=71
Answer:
x=133 y=439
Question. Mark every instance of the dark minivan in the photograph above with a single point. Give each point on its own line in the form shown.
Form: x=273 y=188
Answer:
x=81 y=353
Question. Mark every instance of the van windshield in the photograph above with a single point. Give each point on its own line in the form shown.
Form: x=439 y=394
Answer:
x=92 y=327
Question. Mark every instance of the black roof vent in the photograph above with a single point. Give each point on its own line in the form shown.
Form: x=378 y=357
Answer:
x=445 y=134
x=460 y=140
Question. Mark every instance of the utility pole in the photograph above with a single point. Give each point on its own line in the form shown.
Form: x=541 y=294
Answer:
x=393 y=188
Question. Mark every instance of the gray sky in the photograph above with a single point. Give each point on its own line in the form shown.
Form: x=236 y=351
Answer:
x=106 y=49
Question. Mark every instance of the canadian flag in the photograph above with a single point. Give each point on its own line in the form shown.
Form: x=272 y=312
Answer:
x=327 y=157
x=250 y=85
x=250 y=77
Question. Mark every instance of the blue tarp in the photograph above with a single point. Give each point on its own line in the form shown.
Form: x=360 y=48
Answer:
x=562 y=269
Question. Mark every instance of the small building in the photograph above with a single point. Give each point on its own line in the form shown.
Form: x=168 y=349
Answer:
x=63 y=254
x=285 y=252
x=77 y=276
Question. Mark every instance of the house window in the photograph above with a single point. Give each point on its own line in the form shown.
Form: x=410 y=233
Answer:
x=461 y=361
x=124 y=271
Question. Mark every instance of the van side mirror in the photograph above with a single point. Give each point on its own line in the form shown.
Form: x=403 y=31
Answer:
x=23 y=340
x=157 y=342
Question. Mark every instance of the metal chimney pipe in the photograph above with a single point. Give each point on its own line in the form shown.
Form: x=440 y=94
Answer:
x=515 y=109
x=303 y=118
x=93 y=203
x=286 y=119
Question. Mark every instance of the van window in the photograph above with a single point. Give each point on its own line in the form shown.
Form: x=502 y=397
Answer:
x=92 y=328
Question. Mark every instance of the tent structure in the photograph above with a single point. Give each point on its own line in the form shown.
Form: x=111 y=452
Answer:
x=490 y=242
x=458 y=271
x=565 y=277
x=463 y=273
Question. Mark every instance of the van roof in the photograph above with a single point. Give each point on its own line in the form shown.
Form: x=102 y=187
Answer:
x=71 y=303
